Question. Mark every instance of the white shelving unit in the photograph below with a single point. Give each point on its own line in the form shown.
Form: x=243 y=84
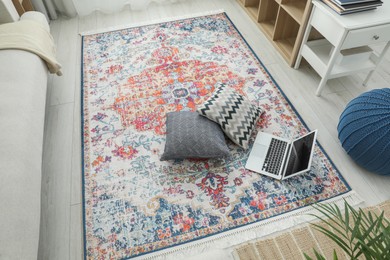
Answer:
x=343 y=32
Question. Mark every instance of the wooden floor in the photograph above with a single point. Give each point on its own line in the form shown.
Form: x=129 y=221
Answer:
x=61 y=221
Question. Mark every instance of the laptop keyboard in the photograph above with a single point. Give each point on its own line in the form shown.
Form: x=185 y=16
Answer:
x=274 y=158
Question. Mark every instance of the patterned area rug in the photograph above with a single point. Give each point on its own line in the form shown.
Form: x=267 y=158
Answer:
x=135 y=204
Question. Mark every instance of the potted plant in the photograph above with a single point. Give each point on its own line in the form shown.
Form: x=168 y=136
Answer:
x=357 y=233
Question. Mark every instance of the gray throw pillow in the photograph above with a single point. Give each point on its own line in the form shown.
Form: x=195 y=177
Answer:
x=236 y=115
x=190 y=135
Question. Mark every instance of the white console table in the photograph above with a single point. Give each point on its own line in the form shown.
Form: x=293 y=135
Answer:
x=344 y=32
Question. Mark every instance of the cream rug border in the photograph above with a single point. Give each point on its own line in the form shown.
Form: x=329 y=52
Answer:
x=150 y=22
x=249 y=232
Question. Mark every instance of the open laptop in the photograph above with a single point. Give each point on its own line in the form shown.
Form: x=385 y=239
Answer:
x=280 y=158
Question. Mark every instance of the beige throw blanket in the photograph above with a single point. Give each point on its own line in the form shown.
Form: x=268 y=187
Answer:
x=33 y=37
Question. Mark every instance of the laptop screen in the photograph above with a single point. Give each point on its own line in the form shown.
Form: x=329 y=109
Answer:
x=300 y=154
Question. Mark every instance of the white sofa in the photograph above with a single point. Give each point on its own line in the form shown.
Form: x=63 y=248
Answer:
x=23 y=83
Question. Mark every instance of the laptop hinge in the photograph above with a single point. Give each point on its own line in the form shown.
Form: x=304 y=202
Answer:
x=286 y=159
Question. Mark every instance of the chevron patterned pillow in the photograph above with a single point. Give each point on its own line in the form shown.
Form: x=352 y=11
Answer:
x=233 y=112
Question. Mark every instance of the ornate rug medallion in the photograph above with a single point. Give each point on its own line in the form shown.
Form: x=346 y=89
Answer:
x=135 y=204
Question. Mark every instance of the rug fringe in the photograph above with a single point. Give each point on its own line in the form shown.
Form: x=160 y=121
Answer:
x=156 y=21
x=252 y=231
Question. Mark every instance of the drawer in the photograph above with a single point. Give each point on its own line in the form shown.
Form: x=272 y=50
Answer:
x=367 y=36
x=327 y=26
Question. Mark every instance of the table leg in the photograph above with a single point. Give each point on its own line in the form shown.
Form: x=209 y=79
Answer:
x=368 y=78
x=321 y=86
x=304 y=41
x=380 y=58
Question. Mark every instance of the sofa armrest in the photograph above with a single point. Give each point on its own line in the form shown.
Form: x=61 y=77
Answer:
x=37 y=17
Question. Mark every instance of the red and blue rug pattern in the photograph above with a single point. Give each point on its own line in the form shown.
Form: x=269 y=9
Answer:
x=135 y=204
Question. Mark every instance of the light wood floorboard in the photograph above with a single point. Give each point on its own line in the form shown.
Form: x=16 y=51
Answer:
x=56 y=184
x=76 y=233
x=61 y=220
x=62 y=88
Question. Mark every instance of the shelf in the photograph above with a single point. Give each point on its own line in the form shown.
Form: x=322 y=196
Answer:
x=286 y=46
x=340 y=71
x=285 y=36
x=252 y=6
x=281 y=21
x=318 y=53
x=267 y=16
x=268 y=10
x=253 y=10
x=268 y=28
x=248 y=3
x=23 y=6
x=295 y=9
x=286 y=27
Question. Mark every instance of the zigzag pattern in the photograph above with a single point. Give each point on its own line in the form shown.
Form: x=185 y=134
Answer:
x=233 y=112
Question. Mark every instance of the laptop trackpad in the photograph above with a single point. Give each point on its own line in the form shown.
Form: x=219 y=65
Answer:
x=259 y=150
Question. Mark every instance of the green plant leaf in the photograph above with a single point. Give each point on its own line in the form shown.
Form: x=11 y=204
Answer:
x=356 y=230
x=366 y=221
x=353 y=211
x=318 y=255
x=341 y=232
x=339 y=241
x=346 y=213
x=357 y=233
x=335 y=255
x=328 y=211
x=338 y=213
x=374 y=245
x=307 y=257
x=367 y=242
x=331 y=218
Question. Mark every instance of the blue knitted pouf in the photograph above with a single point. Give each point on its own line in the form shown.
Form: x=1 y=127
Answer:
x=364 y=130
